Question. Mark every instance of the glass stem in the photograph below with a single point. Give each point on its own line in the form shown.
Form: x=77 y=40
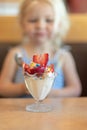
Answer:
x=37 y=104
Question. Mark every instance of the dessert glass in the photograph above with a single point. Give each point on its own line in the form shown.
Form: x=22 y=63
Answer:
x=39 y=88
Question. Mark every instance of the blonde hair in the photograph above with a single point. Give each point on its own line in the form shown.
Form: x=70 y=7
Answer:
x=61 y=16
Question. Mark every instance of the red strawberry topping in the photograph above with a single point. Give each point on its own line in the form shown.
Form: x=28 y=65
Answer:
x=29 y=70
x=39 y=65
x=26 y=67
x=41 y=59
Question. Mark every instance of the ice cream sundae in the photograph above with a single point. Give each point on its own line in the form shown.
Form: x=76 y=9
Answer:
x=39 y=77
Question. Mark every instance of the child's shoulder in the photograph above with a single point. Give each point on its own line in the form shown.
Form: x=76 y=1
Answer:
x=65 y=53
x=66 y=57
x=14 y=50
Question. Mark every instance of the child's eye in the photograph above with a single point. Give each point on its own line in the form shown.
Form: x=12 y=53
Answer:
x=49 y=20
x=32 y=20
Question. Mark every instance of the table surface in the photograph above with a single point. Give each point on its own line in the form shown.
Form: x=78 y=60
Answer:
x=67 y=114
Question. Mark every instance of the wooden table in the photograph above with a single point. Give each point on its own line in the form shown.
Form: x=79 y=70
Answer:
x=67 y=114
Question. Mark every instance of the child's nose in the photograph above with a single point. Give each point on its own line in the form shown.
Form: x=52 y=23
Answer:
x=41 y=24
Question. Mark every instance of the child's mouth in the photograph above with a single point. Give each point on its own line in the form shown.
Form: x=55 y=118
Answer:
x=41 y=34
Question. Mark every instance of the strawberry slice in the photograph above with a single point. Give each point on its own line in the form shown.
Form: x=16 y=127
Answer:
x=36 y=59
x=32 y=71
x=41 y=59
x=44 y=59
x=40 y=70
x=26 y=68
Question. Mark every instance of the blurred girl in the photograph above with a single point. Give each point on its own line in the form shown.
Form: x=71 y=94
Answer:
x=44 y=24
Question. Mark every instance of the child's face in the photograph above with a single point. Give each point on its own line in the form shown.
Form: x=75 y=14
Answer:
x=38 y=23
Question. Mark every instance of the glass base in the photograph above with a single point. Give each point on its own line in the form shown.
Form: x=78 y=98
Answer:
x=38 y=107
